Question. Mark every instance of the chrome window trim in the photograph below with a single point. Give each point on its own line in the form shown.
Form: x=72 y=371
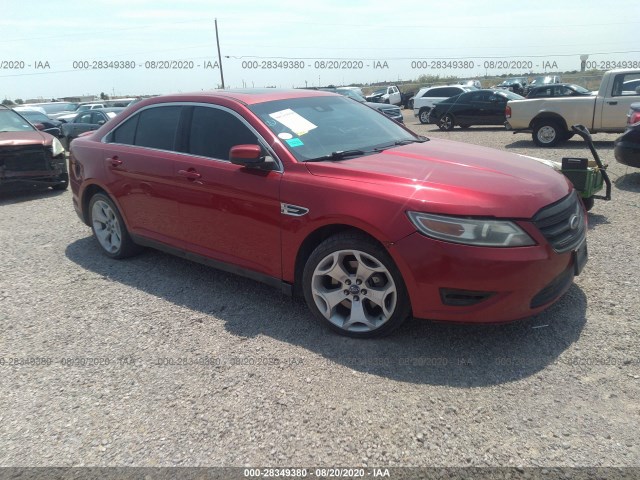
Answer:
x=263 y=143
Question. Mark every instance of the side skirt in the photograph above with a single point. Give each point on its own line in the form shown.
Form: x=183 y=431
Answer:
x=284 y=287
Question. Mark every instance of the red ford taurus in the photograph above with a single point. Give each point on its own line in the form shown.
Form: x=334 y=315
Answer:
x=322 y=196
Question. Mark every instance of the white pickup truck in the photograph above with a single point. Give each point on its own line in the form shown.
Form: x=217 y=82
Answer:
x=550 y=119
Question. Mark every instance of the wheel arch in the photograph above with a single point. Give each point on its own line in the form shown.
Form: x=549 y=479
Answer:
x=549 y=116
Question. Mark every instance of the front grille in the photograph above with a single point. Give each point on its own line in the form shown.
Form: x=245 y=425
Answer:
x=24 y=158
x=562 y=223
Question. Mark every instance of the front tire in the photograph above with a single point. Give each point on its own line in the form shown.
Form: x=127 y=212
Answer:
x=547 y=133
x=446 y=122
x=352 y=285
x=109 y=229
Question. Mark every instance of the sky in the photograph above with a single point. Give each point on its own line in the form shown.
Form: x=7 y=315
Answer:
x=63 y=48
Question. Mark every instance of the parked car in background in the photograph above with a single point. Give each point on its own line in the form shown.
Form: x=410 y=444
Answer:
x=54 y=109
x=478 y=107
x=85 y=122
x=81 y=108
x=390 y=94
x=627 y=147
x=407 y=99
x=36 y=117
x=428 y=96
x=357 y=90
x=391 y=111
x=558 y=90
x=320 y=196
x=28 y=156
x=516 y=85
x=541 y=81
x=472 y=83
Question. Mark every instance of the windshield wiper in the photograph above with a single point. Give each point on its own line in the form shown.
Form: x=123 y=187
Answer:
x=407 y=141
x=338 y=155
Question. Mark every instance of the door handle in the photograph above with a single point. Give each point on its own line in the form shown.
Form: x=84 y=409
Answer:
x=190 y=174
x=612 y=103
x=113 y=161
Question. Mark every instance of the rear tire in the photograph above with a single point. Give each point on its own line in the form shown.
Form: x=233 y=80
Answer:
x=547 y=133
x=109 y=229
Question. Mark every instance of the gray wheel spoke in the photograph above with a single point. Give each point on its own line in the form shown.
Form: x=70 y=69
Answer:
x=100 y=216
x=365 y=270
x=335 y=269
x=331 y=299
x=102 y=235
x=378 y=296
x=358 y=315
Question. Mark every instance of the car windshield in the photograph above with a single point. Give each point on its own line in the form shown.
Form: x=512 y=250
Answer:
x=59 y=107
x=350 y=94
x=379 y=91
x=35 y=116
x=580 y=89
x=12 y=122
x=510 y=95
x=318 y=127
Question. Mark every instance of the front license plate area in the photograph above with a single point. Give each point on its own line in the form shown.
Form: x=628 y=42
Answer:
x=580 y=257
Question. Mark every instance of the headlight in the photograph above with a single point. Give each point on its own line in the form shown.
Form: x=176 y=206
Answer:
x=484 y=233
x=56 y=147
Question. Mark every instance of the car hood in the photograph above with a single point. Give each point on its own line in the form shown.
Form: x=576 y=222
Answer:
x=442 y=176
x=16 y=139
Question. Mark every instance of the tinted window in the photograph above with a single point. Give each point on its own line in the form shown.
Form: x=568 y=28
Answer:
x=157 y=127
x=436 y=92
x=214 y=131
x=126 y=132
x=97 y=116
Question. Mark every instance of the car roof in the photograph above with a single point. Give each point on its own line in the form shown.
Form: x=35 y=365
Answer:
x=250 y=96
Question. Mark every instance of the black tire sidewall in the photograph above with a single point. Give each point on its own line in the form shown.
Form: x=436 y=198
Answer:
x=355 y=241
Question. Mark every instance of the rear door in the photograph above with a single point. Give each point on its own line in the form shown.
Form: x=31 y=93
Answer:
x=139 y=169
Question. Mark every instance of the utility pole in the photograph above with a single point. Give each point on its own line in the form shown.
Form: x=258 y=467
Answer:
x=219 y=56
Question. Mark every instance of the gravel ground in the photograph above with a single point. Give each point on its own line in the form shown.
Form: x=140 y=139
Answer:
x=273 y=387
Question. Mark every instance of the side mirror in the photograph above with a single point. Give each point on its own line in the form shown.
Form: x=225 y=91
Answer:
x=39 y=126
x=101 y=122
x=249 y=156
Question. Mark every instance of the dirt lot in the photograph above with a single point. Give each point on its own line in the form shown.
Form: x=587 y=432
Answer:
x=273 y=387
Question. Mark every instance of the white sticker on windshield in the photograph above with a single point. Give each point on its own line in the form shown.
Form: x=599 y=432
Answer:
x=285 y=136
x=293 y=121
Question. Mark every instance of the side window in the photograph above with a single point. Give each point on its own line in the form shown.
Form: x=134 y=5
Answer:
x=84 y=118
x=214 y=131
x=126 y=132
x=97 y=116
x=157 y=127
x=626 y=84
x=434 y=92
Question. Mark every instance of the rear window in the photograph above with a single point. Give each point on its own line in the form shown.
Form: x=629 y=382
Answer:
x=157 y=127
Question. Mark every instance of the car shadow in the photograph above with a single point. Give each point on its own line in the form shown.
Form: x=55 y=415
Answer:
x=629 y=182
x=595 y=220
x=420 y=352
x=27 y=194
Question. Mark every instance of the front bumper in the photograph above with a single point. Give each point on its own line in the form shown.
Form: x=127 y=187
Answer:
x=496 y=285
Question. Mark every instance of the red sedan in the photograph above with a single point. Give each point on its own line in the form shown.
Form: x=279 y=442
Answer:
x=324 y=197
